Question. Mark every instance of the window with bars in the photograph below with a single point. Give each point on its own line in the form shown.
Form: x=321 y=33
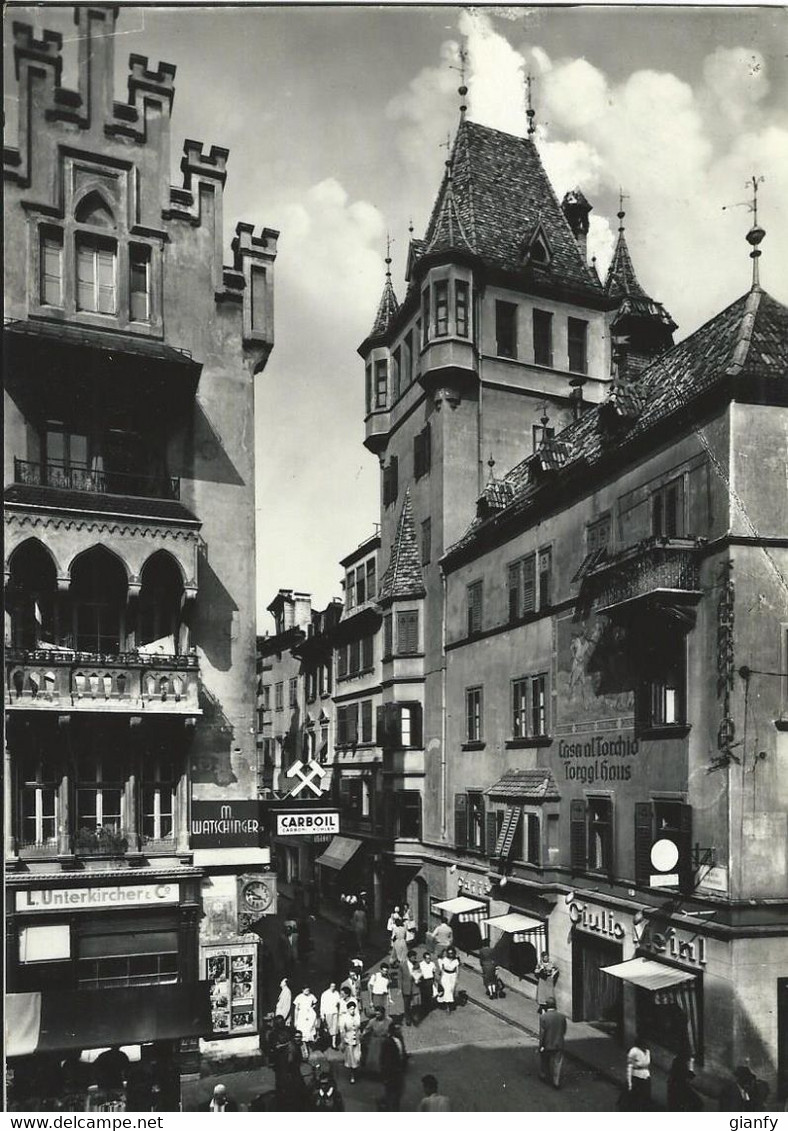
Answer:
x=577 y=343
x=139 y=283
x=408 y=633
x=474 y=607
x=461 y=308
x=441 y=308
x=39 y=780
x=158 y=800
x=51 y=267
x=529 y=707
x=474 y=720
x=96 y=264
x=542 y=322
x=506 y=329
x=667 y=510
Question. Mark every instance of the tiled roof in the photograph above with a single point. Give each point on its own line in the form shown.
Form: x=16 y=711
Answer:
x=495 y=496
x=403 y=578
x=168 y=510
x=525 y=785
x=387 y=311
x=501 y=191
x=621 y=279
x=448 y=233
x=749 y=340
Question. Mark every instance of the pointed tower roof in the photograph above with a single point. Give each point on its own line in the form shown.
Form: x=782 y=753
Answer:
x=403 y=577
x=448 y=233
x=387 y=310
x=497 y=191
x=621 y=280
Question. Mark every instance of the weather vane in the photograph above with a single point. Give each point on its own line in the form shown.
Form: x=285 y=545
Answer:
x=389 y=242
x=462 y=90
x=530 y=112
x=756 y=232
x=622 y=196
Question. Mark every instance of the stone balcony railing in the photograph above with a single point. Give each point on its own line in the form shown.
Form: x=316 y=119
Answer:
x=83 y=681
x=96 y=481
x=666 y=566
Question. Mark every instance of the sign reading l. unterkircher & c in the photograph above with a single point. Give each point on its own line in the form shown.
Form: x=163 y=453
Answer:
x=97 y=898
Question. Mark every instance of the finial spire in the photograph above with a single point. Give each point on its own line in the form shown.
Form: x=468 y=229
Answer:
x=530 y=112
x=756 y=233
x=388 y=255
x=462 y=89
x=622 y=196
x=447 y=146
x=491 y=465
x=410 y=226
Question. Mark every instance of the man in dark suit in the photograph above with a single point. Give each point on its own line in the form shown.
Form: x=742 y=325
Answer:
x=552 y=1031
x=393 y=1061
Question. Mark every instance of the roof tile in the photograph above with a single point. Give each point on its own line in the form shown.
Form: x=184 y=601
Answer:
x=403 y=577
x=525 y=785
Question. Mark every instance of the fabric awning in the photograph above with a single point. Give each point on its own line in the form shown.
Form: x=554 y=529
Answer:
x=513 y=923
x=458 y=905
x=339 y=852
x=648 y=974
x=84 y=1019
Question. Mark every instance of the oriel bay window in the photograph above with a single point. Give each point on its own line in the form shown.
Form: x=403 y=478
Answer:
x=381 y=383
x=461 y=308
x=441 y=308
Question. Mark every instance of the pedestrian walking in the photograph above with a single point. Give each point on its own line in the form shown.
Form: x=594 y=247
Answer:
x=410 y=977
x=305 y=1017
x=350 y=1036
x=552 y=1032
x=284 y=1003
x=427 y=988
x=392 y=920
x=639 y=1076
x=220 y=1102
x=378 y=986
x=346 y=996
x=489 y=971
x=442 y=938
x=393 y=1062
x=546 y=978
x=372 y=1037
x=433 y=1100
x=681 y=1095
x=736 y=1094
x=449 y=966
x=358 y=921
x=329 y=1013
x=399 y=945
x=410 y=925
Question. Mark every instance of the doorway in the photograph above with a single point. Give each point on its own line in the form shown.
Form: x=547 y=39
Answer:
x=596 y=997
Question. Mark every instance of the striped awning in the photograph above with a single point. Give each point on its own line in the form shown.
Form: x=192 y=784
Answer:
x=648 y=974
x=458 y=906
x=339 y=852
x=514 y=923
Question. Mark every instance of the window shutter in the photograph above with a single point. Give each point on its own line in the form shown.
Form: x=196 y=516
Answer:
x=389 y=813
x=381 y=738
x=394 y=478
x=461 y=820
x=529 y=586
x=407 y=633
x=388 y=634
x=492 y=837
x=342 y=661
x=686 y=870
x=366 y=720
x=366 y=652
x=426 y=448
x=415 y=724
x=644 y=825
x=514 y=591
x=353 y=723
x=577 y=835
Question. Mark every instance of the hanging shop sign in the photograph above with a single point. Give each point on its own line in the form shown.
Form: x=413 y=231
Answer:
x=307 y=822
x=96 y=899
x=231 y=973
x=226 y=824
x=670 y=942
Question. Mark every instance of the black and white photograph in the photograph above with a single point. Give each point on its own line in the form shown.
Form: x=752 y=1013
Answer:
x=396 y=559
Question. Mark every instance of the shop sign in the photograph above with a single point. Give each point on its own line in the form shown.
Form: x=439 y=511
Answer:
x=603 y=921
x=601 y=758
x=226 y=824
x=307 y=823
x=473 y=885
x=96 y=899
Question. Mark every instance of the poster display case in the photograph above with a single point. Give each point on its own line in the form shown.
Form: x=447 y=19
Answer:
x=231 y=972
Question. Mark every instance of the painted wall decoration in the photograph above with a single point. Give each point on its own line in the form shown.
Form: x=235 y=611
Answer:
x=593 y=676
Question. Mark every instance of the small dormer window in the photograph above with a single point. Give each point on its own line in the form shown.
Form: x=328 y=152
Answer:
x=538 y=252
x=536 y=248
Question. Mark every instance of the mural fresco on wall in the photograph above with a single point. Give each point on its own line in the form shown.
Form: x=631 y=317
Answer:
x=593 y=678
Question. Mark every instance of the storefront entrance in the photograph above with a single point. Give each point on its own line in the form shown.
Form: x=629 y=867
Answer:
x=596 y=998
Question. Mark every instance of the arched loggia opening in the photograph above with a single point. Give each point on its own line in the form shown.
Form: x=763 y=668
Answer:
x=31 y=601
x=98 y=601
x=159 y=616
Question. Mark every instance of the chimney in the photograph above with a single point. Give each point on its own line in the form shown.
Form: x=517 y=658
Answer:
x=576 y=209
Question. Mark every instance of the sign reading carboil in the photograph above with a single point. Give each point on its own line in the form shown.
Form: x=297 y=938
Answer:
x=307 y=823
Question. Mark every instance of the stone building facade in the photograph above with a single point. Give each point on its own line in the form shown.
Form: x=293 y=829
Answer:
x=131 y=349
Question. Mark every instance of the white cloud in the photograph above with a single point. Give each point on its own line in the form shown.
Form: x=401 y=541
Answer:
x=736 y=82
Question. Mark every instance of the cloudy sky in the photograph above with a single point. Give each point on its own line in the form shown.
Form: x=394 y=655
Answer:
x=335 y=119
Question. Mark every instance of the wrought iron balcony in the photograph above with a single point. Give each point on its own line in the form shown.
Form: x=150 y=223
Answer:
x=126 y=682
x=666 y=569
x=98 y=482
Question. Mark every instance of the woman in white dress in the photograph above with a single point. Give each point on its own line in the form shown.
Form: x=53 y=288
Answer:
x=329 y=1012
x=305 y=1016
x=350 y=1032
x=449 y=967
x=284 y=1003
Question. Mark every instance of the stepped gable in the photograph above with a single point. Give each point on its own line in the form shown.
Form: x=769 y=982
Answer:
x=388 y=309
x=403 y=577
x=501 y=192
x=748 y=340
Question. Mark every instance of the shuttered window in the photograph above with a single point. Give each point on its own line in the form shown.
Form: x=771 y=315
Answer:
x=577 y=835
x=461 y=820
x=366 y=653
x=533 y=838
x=474 y=608
x=476 y=821
x=407 y=633
x=644 y=828
x=366 y=721
x=388 y=635
x=521 y=583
